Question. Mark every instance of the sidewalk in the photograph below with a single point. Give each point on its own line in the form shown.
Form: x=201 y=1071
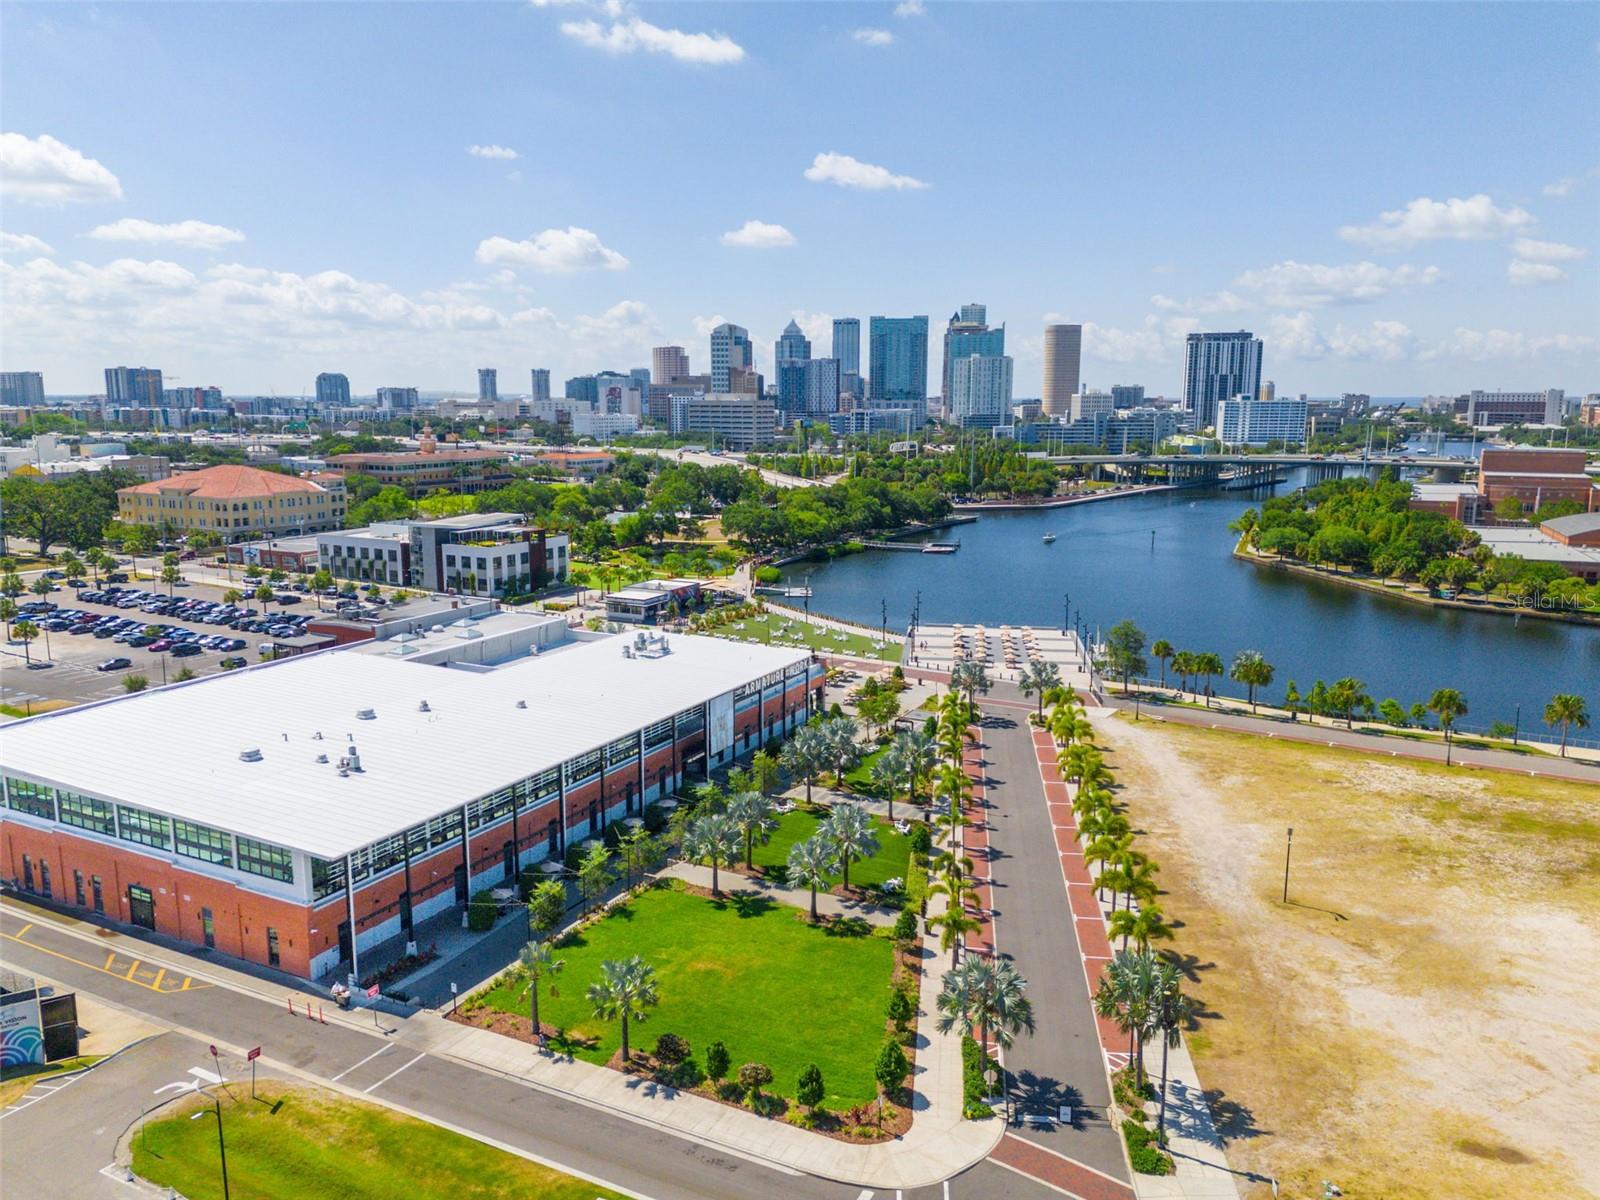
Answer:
x=735 y=882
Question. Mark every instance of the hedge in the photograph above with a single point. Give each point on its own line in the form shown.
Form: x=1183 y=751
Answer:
x=974 y=1089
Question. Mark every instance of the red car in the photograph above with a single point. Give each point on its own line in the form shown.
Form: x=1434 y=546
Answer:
x=161 y=644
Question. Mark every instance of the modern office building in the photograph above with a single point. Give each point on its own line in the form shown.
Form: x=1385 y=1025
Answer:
x=24 y=389
x=897 y=353
x=980 y=391
x=331 y=803
x=397 y=400
x=133 y=386
x=1218 y=367
x=479 y=554
x=668 y=363
x=968 y=333
x=333 y=390
x=1536 y=477
x=737 y=422
x=488 y=385
x=540 y=385
x=847 y=344
x=1479 y=408
x=1119 y=432
x=1088 y=403
x=236 y=503
x=790 y=354
x=730 y=351
x=1127 y=395
x=1063 y=364
x=428 y=468
x=1246 y=420
x=580 y=465
x=583 y=388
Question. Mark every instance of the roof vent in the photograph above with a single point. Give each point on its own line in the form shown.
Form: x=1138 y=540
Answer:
x=366 y=714
x=422 y=706
x=317 y=736
x=250 y=755
x=627 y=652
x=522 y=704
x=322 y=758
x=437 y=629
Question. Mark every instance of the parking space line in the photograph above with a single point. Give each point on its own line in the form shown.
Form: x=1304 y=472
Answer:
x=107 y=968
x=392 y=1074
x=362 y=1063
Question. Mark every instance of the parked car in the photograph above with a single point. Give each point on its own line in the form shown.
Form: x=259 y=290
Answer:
x=116 y=577
x=186 y=650
x=114 y=664
x=233 y=663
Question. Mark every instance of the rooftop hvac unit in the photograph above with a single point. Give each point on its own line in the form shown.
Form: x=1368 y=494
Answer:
x=366 y=714
x=250 y=755
x=422 y=706
x=627 y=652
x=353 y=759
x=641 y=639
x=522 y=704
x=322 y=758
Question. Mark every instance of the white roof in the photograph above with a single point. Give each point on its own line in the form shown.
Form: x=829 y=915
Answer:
x=1535 y=546
x=176 y=749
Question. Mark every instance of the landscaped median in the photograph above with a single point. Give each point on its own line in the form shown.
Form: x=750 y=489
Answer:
x=303 y=1143
x=746 y=997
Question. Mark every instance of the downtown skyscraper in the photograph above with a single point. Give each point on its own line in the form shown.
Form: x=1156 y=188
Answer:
x=1218 y=367
x=897 y=353
x=730 y=352
x=967 y=334
x=1063 y=361
x=333 y=390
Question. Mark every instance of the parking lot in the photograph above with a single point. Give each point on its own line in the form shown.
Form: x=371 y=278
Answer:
x=184 y=618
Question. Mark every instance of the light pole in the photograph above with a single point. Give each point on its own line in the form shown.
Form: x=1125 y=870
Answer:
x=1516 y=725
x=1288 y=847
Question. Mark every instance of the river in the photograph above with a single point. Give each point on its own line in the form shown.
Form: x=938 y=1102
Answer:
x=1165 y=562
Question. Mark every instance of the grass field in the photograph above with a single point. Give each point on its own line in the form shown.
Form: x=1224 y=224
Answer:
x=746 y=971
x=795 y=631
x=1418 y=1022
x=892 y=861
x=316 y=1146
x=16 y=1082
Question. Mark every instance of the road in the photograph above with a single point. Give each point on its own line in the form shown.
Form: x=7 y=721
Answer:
x=645 y=1159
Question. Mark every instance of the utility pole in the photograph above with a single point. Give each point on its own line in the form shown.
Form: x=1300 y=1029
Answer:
x=1287 y=848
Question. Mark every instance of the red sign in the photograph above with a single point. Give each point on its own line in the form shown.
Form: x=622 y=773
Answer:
x=372 y=992
x=213 y=1052
x=253 y=1055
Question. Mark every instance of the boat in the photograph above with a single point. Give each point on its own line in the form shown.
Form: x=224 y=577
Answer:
x=939 y=548
x=1049 y=538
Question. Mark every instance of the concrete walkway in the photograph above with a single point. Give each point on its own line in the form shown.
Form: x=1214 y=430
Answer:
x=737 y=883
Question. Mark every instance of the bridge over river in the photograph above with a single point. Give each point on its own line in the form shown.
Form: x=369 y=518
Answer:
x=1249 y=470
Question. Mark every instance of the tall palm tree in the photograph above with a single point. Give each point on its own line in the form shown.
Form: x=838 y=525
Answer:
x=1183 y=667
x=804 y=756
x=1447 y=704
x=918 y=756
x=8 y=612
x=887 y=775
x=1208 y=667
x=988 y=995
x=972 y=678
x=626 y=991
x=812 y=863
x=1127 y=996
x=539 y=961
x=1171 y=1013
x=1143 y=927
x=1138 y=881
x=954 y=924
x=849 y=829
x=25 y=632
x=1039 y=676
x=1566 y=710
x=752 y=814
x=954 y=788
x=1163 y=651
x=843 y=751
x=714 y=840
x=1253 y=670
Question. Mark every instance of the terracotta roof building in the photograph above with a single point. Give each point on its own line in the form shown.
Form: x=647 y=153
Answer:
x=234 y=502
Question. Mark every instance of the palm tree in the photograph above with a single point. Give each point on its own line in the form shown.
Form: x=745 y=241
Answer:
x=849 y=829
x=1163 y=651
x=1447 y=704
x=970 y=677
x=1566 y=710
x=843 y=751
x=1345 y=696
x=1208 y=667
x=954 y=787
x=25 y=632
x=804 y=756
x=1127 y=996
x=8 y=613
x=1171 y=1012
x=1144 y=926
x=752 y=814
x=1252 y=670
x=626 y=991
x=988 y=995
x=1183 y=667
x=713 y=839
x=953 y=925
x=887 y=774
x=763 y=772
x=1039 y=676
x=538 y=960
x=811 y=864
x=918 y=756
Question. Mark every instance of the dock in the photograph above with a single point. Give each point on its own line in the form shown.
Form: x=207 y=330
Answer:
x=916 y=547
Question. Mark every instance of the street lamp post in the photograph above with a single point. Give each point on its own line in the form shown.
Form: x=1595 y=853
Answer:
x=1288 y=848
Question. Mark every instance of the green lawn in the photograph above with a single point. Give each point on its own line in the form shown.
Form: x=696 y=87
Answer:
x=746 y=971
x=859 y=778
x=316 y=1147
x=815 y=637
x=892 y=861
x=17 y=1082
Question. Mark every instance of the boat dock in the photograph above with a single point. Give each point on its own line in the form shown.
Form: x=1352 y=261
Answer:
x=917 y=547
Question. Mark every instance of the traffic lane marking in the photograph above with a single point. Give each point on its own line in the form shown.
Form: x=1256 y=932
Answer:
x=393 y=1073
x=156 y=980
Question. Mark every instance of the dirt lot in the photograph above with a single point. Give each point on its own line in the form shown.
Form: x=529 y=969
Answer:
x=1420 y=1020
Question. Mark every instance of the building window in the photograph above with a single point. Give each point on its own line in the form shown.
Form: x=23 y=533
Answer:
x=621 y=751
x=266 y=860
x=145 y=828
x=272 y=946
x=88 y=813
x=658 y=734
x=204 y=843
x=77 y=888
x=585 y=766
x=32 y=798
x=327 y=877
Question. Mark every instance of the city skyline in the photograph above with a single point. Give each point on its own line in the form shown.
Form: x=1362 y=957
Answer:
x=483 y=226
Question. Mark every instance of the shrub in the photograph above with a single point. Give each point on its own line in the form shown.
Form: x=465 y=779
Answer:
x=973 y=1087
x=754 y=1076
x=891 y=1068
x=1144 y=1150
x=547 y=903
x=671 y=1049
x=921 y=838
x=905 y=927
x=768 y=575
x=901 y=1009
x=717 y=1060
x=809 y=1091
x=481 y=912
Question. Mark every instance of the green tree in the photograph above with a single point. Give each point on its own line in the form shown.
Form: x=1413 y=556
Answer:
x=1040 y=675
x=763 y=772
x=809 y=1090
x=970 y=678
x=717 y=1062
x=1163 y=652
x=539 y=962
x=1345 y=696
x=547 y=904
x=1208 y=667
x=985 y=998
x=849 y=830
x=1447 y=704
x=1127 y=996
x=1393 y=712
x=594 y=874
x=890 y=1070
x=715 y=841
x=1291 y=700
x=8 y=612
x=1509 y=509
x=901 y=1009
x=805 y=756
x=879 y=710
x=25 y=632
x=756 y=820
x=170 y=575
x=917 y=756
x=1566 y=709
x=133 y=682
x=811 y=864
x=1252 y=670
x=638 y=849
x=1125 y=644
x=626 y=991
x=1171 y=1012
x=1141 y=927
x=754 y=1076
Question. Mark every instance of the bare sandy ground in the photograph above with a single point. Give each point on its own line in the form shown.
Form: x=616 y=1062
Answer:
x=1423 y=1019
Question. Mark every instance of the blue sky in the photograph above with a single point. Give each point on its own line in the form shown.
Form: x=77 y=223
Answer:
x=1400 y=199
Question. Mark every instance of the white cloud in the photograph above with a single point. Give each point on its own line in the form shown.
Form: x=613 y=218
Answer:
x=625 y=323
x=43 y=170
x=704 y=325
x=492 y=151
x=1547 y=252
x=1291 y=284
x=1561 y=188
x=23 y=243
x=553 y=252
x=910 y=8
x=630 y=33
x=1221 y=302
x=873 y=37
x=198 y=235
x=1299 y=337
x=1156 y=340
x=1489 y=344
x=1533 y=274
x=758 y=235
x=1476 y=218
x=849 y=172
